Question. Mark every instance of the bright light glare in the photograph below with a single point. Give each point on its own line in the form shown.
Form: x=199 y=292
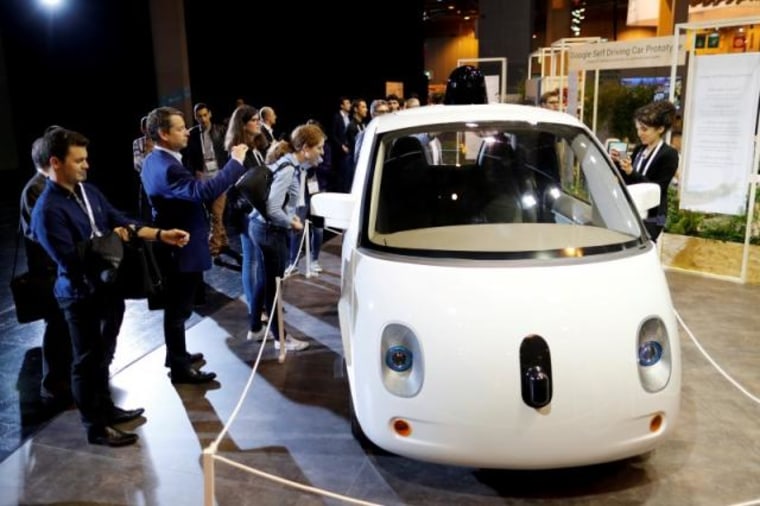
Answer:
x=51 y=4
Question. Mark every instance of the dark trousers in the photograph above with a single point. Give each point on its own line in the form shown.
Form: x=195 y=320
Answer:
x=273 y=242
x=181 y=290
x=56 y=357
x=93 y=323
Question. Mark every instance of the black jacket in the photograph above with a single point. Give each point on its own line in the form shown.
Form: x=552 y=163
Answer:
x=192 y=155
x=661 y=171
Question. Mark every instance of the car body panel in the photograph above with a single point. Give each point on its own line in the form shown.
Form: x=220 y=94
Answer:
x=579 y=272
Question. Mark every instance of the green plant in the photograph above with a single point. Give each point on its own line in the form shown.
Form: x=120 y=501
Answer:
x=720 y=227
x=616 y=106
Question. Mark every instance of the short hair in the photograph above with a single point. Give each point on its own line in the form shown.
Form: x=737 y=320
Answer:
x=375 y=105
x=159 y=120
x=197 y=107
x=59 y=140
x=143 y=123
x=266 y=111
x=549 y=94
x=392 y=96
x=40 y=154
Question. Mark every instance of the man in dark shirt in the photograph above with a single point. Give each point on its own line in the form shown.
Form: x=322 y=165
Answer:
x=66 y=215
x=56 y=345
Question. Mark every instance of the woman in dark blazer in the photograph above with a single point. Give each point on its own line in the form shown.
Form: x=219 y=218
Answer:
x=653 y=161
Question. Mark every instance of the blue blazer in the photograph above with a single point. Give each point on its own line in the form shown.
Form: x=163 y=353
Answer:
x=178 y=200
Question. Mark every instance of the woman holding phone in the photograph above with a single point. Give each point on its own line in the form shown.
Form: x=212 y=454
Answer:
x=652 y=161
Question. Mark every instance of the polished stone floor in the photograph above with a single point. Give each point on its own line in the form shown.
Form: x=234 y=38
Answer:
x=293 y=421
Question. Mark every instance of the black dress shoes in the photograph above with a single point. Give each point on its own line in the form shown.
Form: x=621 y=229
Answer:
x=191 y=376
x=111 y=436
x=193 y=358
x=118 y=415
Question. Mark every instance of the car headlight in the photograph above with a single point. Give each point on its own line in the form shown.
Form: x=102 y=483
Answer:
x=401 y=360
x=653 y=355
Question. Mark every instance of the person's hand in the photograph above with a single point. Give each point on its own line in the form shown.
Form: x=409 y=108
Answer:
x=295 y=223
x=238 y=152
x=122 y=232
x=623 y=160
x=175 y=237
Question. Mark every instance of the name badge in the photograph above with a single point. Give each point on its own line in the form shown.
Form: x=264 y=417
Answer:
x=313 y=186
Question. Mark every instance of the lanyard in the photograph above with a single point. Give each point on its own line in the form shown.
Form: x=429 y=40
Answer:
x=88 y=209
x=641 y=158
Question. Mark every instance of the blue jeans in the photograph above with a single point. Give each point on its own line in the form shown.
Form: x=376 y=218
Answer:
x=317 y=234
x=273 y=243
x=294 y=237
x=252 y=276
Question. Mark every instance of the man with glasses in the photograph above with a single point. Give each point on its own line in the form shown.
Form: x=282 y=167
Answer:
x=550 y=100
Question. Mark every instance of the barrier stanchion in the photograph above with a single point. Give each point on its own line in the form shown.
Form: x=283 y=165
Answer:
x=280 y=321
x=208 y=475
x=307 y=239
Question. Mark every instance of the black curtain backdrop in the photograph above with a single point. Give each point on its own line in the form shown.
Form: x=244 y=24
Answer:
x=89 y=67
x=282 y=55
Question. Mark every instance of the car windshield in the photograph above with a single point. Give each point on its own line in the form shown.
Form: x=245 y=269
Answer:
x=496 y=190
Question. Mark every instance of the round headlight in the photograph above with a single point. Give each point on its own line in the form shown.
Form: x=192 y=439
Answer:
x=399 y=358
x=650 y=353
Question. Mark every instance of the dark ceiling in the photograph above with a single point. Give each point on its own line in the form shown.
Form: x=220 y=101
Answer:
x=449 y=17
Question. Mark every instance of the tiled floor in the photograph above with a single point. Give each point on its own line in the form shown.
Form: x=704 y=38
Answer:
x=293 y=422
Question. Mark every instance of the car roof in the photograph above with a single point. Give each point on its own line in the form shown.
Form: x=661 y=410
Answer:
x=441 y=114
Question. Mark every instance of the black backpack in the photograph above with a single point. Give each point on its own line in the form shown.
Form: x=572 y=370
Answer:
x=255 y=184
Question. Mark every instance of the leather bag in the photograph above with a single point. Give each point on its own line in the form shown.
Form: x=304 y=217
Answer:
x=139 y=276
x=33 y=296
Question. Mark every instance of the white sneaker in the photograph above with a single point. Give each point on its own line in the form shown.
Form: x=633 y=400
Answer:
x=315 y=267
x=291 y=344
x=256 y=336
x=292 y=270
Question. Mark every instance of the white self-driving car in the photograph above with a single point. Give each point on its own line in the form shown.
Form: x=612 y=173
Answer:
x=501 y=304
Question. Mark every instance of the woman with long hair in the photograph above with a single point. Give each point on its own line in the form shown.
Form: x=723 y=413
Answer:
x=244 y=126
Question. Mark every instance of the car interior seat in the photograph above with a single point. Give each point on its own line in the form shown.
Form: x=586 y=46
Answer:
x=405 y=188
x=509 y=186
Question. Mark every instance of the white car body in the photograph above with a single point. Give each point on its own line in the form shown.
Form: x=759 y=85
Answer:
x=482 y=390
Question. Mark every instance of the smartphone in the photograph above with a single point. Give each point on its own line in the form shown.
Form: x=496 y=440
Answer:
x=619 y=146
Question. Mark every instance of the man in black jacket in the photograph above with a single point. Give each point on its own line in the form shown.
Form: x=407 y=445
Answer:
x=205 y=156
x=55 y=391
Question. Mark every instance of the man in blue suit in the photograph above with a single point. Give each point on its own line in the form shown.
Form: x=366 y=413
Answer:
x=177 y=197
